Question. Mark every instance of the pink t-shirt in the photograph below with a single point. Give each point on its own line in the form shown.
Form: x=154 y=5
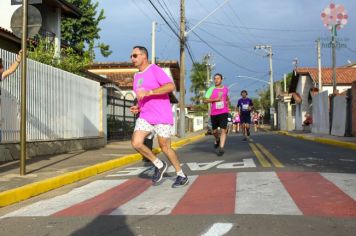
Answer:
x=155 y=109
x=222 y=107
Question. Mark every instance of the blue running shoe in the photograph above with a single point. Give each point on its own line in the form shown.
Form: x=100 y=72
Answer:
x=158 y=175
x=180 y=182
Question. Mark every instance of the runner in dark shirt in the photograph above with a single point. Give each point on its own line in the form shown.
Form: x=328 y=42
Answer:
x=245 y=106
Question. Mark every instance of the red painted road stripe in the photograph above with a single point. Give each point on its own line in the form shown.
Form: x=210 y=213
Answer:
x=108 y=201
x=317 y=196
x=209 y=194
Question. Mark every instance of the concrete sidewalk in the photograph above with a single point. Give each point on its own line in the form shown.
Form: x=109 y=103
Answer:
x=47 y=173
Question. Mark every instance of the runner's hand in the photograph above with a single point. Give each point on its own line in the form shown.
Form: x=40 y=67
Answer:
x=19 y=56
x=134 y=109
x=143 y=93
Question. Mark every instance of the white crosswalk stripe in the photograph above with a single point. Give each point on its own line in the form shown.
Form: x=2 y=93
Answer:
x=157 y=200
x=263 y=193
x=256 y=193
x=77 y=195
x=346 y=182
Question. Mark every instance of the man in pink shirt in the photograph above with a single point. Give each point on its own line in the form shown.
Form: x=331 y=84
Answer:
x=152 y=86
x=217 y=95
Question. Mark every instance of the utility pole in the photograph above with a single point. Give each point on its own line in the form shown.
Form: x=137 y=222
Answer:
x=285 y=83
x=333 y=52
x=182 y=71
x=207 y=57
x=268 y=49
x=23 y=89
x=319 y=65
x=153 y=60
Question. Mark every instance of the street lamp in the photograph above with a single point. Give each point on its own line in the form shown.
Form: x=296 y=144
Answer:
x=253 y=78
x=182 y=39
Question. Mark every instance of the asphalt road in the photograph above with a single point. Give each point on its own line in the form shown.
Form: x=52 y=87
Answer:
x=271 y=185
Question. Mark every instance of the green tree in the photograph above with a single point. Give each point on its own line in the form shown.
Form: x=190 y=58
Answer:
x=289 y=80
x=264 y=96
x=83 y=34
x=198 y=77
x=71 y=61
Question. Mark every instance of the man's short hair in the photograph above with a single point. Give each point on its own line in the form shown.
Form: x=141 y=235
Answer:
x=244 y=91
x=142 y=49
x=218 y=74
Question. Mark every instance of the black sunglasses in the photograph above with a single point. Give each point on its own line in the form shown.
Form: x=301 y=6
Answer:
x=135 y=55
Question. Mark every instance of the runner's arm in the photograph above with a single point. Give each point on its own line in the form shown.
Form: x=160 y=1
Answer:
x=164 y=89
x=13 y=67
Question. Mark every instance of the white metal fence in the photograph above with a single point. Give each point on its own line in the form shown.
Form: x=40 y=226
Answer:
x=60 y=105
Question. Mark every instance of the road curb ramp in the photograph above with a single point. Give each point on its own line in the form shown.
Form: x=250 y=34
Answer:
x=34 y=189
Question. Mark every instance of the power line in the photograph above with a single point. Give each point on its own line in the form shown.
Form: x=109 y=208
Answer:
x=351 y=50
x=141 y=10
x=223 y=56
x=159 y=13
x=263 y=29
x=168 y=13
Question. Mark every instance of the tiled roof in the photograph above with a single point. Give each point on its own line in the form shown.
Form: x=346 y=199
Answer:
x=343 y=75
x=125 y=79
x=5 y=30
x=9 y=35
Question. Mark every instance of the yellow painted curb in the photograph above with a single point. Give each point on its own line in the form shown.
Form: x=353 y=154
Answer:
x=321 y=140
x=30 y=190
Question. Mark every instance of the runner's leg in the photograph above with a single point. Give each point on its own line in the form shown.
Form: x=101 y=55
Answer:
x=165 y=145
x=137 y=143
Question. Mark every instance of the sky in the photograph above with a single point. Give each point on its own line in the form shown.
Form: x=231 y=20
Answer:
x=291 y=27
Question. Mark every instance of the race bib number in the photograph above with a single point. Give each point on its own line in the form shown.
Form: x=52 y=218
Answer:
x=245 y=107
x=219 y=105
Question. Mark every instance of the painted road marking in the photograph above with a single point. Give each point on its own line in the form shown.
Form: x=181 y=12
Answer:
x=155 y=200
x=218 y=229
x=108 y=201
x=270 y=156
x=212 y=194
x=193 y=166
x=259 y=156
x=275 y=193
x=77 y=195
x=346 y=182
x=316 y=196
x=263 y=193
x=245 y=163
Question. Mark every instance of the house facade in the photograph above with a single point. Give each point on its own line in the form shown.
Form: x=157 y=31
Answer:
x=52 y=12
x=304 y=83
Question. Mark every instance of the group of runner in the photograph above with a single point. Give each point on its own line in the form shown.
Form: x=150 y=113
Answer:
x=236 y=122
x=217 y=96
x=152 y=86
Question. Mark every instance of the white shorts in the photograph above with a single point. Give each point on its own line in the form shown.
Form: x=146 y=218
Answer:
x=162 y=130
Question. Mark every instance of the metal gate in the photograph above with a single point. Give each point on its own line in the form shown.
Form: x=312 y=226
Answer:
x=120 y=120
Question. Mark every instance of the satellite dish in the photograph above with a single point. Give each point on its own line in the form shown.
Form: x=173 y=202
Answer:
x=34 y=22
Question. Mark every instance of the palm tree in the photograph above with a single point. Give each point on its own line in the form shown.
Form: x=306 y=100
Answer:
x=198 y=78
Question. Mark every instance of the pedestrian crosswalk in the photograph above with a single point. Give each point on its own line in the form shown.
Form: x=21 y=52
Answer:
x=261 y=193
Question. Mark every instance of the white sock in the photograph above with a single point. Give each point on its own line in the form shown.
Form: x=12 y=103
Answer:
x=158 y=163
x=180 y=173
